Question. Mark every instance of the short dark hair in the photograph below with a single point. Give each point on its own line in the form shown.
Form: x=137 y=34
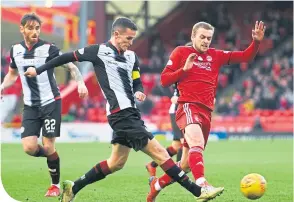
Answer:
x=30 y=17
x=123 y=23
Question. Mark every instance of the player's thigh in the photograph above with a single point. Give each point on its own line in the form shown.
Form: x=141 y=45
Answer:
x=30 y=144
x=119 y=155
x=51 y=114
x=31 y=123
x=194 y=135
x=156 y=151
x=206 y=131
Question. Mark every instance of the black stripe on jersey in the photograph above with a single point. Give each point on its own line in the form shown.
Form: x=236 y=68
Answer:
x=53 y=84
x=123 y=74
x=53 y=52
x=102 y=77
x=33 y=85
x=32 y=82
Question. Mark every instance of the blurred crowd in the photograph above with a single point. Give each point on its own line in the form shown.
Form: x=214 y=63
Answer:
x=267 y=86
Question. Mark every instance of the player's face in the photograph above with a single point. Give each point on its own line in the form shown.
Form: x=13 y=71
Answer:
x=31 y=32
x=124 y=39
x=202 y=39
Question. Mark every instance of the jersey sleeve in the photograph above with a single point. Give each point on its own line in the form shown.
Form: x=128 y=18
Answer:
x=89 y=53
x=224 y=56
x=234 y=57
x=12 y=62
x=54 y=52
x=174 y=60
x=137 y=83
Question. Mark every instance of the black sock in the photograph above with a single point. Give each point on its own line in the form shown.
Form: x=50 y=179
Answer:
x=179 y=154
x=53 y=163
x=98 y=172
x=178 y=175
x=171 y=152
x=40 y=152
x=153 y=164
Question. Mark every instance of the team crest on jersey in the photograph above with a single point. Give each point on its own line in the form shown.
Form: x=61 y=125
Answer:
x=81 y=51
x=209 y=58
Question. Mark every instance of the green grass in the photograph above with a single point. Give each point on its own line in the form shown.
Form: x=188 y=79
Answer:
x=26 y=178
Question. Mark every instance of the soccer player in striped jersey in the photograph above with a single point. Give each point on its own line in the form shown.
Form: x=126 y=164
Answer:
x=117 y=71
x=42 y=101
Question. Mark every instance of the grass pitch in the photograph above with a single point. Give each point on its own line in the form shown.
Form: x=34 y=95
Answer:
x=26 y=178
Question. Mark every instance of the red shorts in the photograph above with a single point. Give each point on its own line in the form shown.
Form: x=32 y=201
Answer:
x=192 y=113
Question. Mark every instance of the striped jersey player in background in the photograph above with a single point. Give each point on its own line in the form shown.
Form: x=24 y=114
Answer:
x=42 y=101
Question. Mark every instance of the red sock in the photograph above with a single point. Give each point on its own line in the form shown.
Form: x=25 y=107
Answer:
x=196 y=162
x=166 y=180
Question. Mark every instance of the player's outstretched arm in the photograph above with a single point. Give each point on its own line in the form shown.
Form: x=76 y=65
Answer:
x=9 y=79
x=250 y=53
x=77 y=76
x=56 y=62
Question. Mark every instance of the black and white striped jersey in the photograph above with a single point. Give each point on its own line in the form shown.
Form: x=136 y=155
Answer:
x=173 y=107
x=40 y=90
x=117 y=73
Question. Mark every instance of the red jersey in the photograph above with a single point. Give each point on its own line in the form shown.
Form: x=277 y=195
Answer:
x=199 y=84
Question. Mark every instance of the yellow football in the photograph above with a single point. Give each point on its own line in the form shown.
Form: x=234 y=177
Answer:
x=253 y=186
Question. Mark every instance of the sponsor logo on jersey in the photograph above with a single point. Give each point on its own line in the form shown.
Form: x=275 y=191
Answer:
x=203 y=65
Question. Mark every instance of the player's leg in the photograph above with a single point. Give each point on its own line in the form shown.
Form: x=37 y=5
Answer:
x=51 y=114
x=114 y=163
x=53 y=163
x=161 y=157
x=120 y=152
x=157 y=184
x=196 y=141
x=30 y=131
x=172 y=149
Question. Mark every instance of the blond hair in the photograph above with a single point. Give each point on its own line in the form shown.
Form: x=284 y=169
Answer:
x=203 y=25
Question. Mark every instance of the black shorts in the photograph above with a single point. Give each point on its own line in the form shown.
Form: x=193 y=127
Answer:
x=176 y=130
x=129 y=129
x=47 y=117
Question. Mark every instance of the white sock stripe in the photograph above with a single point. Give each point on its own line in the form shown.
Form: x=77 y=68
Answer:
x=157 y=186
x=195 y=149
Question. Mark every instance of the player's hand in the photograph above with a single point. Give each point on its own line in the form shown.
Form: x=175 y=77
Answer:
x=31 y=72
x=258 y=32
x=82 y=90
x=174 y=99
x=189 y=62
x=140 y=96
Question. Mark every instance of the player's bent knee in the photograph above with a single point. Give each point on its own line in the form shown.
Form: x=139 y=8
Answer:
x=30 y=150
x=49 y=149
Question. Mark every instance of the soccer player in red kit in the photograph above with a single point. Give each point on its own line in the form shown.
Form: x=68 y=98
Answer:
x=196 y=69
